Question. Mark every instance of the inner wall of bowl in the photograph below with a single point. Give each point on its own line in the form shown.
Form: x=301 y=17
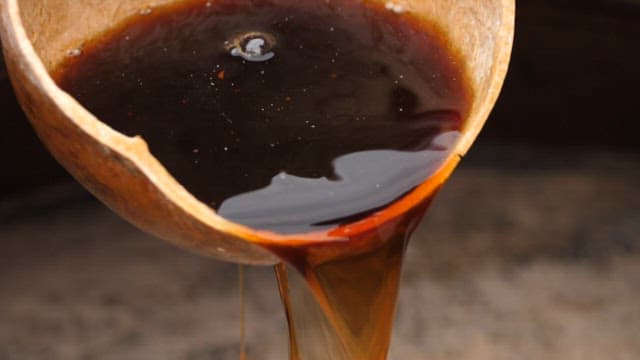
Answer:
x=56 y=27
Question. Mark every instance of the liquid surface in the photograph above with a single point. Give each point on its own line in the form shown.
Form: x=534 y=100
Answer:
x=292 y=117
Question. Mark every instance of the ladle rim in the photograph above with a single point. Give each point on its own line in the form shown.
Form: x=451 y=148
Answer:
x=135 y=149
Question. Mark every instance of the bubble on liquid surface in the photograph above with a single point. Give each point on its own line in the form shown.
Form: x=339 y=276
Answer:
x=74 y=52
x=146 y=11
x=253 y=47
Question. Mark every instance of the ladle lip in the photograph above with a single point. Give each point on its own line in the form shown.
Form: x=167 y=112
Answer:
x=504 y=46
x=135 y=150
x=345 y=232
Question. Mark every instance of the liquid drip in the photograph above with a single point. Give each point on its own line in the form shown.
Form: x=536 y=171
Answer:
x=293 y=117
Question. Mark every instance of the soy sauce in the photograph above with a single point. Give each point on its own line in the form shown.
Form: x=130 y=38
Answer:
x=283 y=116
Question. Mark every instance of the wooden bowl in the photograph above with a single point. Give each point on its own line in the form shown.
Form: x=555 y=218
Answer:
x=37 y=35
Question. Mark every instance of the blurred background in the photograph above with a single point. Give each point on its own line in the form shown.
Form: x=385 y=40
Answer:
x=531 y=251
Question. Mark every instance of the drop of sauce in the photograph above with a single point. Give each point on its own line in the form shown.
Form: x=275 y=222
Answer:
x=253 y=47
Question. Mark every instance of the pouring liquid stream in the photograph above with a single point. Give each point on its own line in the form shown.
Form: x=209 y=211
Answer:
x=344 y=308
x=292 y=117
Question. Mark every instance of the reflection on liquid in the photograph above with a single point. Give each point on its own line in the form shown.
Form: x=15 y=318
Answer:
x=365 y=181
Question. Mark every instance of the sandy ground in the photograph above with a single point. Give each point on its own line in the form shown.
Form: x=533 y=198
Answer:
x=512 y=262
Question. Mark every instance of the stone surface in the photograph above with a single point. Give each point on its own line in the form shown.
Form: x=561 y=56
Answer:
x=538 y=258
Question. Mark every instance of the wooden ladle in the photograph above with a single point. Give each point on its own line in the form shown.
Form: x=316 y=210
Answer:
x=37 y=35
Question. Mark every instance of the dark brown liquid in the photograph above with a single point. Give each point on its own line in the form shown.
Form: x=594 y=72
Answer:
x=356 y=108
x=291 y=116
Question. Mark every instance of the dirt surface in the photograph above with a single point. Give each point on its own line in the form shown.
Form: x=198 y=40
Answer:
x=519 y=261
